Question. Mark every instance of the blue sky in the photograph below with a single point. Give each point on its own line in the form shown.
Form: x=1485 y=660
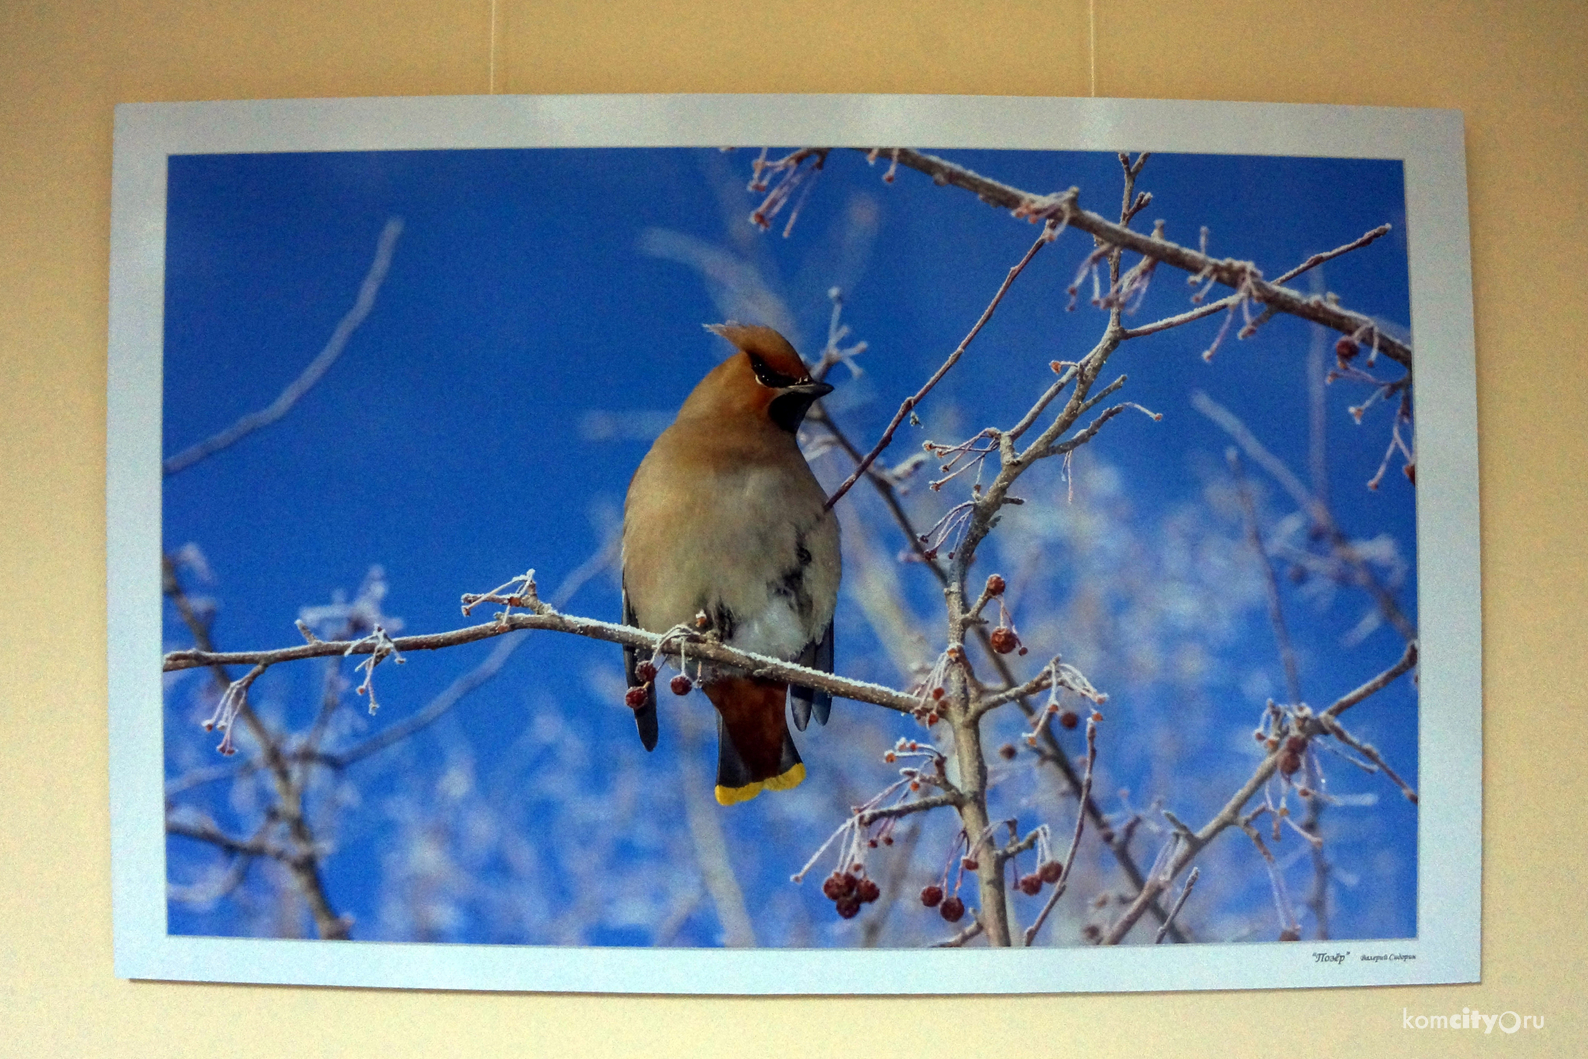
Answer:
x=542 y=318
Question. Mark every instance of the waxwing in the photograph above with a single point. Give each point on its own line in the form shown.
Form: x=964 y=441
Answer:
x=726 y=529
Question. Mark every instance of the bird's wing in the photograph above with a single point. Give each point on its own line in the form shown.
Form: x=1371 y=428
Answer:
x=804 y=702
x=645 y=714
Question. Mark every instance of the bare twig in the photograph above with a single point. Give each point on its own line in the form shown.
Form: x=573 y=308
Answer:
x=911 y=402
x=1316 y=510
x=1328 y=255
x=1276 y=614
x=920 y=805
x=1075 y=839
x=1369 y=751
x=976 y=928
x=206 y=830
x=1179 y=902
x=312 y=374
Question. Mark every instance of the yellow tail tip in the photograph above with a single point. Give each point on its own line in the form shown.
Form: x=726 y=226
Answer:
x=787 y=781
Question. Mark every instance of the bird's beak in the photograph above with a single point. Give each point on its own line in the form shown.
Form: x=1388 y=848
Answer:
x=813 y=390
x=788 y=408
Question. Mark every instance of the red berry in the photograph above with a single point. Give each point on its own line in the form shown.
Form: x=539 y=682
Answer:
x=850 y=883
x=970 y=864
x=1004 y=640
x=1007 y=752
x=1069 y=719
x=1290 y=763
x=932 y=718
x=931 y=896
x=872 y=843
x=1092 y=932
x=995 y=585
x=833 y=887
x=848 y=907
x=1050 y=871
x=868 y=891
x=1346 y=348
x=680 y=685
x=635 y=698
x=937 y=693
x=1290 y=934
x=645 y=671
x=887 y=840
x=1030 y=885
x=952 y=909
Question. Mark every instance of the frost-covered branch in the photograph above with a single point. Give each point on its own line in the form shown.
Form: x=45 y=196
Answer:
x=1193 y=842
x=1237 y=275
x=548 y=619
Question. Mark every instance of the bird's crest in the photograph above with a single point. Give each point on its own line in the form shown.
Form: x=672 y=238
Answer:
x=772 y=348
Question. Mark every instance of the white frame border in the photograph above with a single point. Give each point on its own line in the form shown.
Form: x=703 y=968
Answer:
x=1429 y=142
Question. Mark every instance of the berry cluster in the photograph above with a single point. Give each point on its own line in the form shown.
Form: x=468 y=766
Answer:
x=1295 y=746
x=950 y=908
x=636 y=697
x=1048 y=872
x=849 y=890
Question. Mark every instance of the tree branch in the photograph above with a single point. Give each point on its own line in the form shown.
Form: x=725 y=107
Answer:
x=671 y=644
x=1315 y=508
x=1236 y=275
x=317 y=367
x=1063 y=882
x=910 y=403
x=1193 y=842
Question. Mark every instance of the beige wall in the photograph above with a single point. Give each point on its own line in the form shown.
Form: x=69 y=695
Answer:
x=1517 y=70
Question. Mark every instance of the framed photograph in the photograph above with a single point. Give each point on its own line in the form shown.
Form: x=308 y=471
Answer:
x=793 y=544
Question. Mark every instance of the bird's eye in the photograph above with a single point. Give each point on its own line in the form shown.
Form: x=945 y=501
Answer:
x=767 y=376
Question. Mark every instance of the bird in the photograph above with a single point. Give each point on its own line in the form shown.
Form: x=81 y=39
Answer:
x=726 y=529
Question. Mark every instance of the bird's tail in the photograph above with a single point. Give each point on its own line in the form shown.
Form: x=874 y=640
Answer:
x=754 y=749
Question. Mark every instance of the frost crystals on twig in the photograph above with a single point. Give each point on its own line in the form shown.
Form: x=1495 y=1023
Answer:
x=231 y=703
x=779 y=179
x=517 y=592
x=872 y=823
x=383 y=648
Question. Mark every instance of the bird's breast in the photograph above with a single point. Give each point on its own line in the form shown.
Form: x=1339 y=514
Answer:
x=749 y=543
